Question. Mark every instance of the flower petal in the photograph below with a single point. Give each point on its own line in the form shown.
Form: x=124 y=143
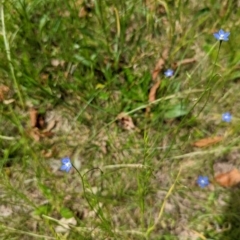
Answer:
x=68 y=169
x=65 y=160
x=227 y=34
x=221 y=35
x=202 y=181
x=221 y=32
x=63 y=168
x=216 y=35
x=66 y=164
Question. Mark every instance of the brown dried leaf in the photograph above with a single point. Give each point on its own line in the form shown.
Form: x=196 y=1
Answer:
x=64 y=224
x=186 y=61
x=5 y=211
x=9 y=101
x=34 y=133
x=206 y=142
x=152 y=94
x=57 y=62
x=50 y=125
x=38 y=123
x=183 y=62
x=46 y=134
x=125 y=121
x=228 y=179
x=33 y=117
x=47 y=153
x=85 y=8
x=44 y=78
x=82 y=12
x=153 y=91
x=3 y=91
x=159 y=66
x=165 y=54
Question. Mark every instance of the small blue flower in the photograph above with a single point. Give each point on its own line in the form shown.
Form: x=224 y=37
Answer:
x=202 y=181
x=169 y=73
x=66 y=164
x=226 y=117
x=221 y=35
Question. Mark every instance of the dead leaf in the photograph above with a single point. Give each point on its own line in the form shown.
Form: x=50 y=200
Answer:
x=82 y=12
x=51 y=125
x=85 y=9
x=44 y=78
x=165 y=54
x=46 y=134
x=206 y=142
x=5 y=211
x=152 y=94
x=34 y=133
x=228 y=179
x=57 y=62
x=33 y=117
x=64 y=224
x=185 y=61
x=3 y=92
x=159 y=66
x=9 y=101
x=47 y=153
x=153 y=90
x=38 y=125
x=125 y=121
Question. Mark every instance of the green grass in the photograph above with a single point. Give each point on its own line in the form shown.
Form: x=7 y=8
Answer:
x=81 y=63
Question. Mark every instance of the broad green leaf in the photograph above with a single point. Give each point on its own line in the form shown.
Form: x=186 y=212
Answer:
x=176 y=111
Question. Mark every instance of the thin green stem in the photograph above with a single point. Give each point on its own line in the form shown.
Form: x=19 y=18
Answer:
x=7 y=49
x=150 y=229
x=206 y=91
x=100 y=216
x=208 y=87
x=17 y=231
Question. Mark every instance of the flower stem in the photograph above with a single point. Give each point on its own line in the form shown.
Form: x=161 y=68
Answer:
x=208 y=87
x=99 y=215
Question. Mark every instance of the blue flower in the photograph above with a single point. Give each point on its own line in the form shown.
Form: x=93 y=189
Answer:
x=221 y=35
x=66 y=164
x=202 y=181
x=169 y=73
x=226 y=117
